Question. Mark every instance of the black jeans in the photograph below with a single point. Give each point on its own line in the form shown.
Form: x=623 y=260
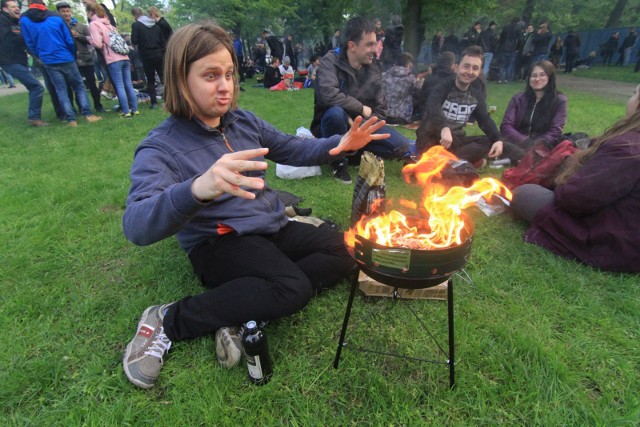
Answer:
x=470 y=148
x=88 y=73
x=258 y=277
x=152 y=66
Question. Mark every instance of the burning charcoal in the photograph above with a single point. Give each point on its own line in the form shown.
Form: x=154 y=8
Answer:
x=369 y=193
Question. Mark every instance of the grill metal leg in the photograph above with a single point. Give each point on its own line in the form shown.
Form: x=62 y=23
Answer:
x=347 y=314
x=450 y=322
x=452 y=346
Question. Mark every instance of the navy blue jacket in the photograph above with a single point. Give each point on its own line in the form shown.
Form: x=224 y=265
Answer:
x=160 y=202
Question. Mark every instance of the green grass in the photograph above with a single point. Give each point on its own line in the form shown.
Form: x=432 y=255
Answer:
x=540 y=340
x=613 y=72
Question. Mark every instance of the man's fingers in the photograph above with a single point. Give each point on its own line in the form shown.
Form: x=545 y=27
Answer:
x=250 y=165
x=377 y=136
x=248 y=154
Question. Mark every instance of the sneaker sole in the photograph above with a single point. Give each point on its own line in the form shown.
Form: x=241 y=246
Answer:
x=127 y=353
x=344 y=182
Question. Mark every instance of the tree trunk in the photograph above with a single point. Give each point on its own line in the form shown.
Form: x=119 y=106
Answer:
x=527 y=13
x=616 y=13
x=413 y=28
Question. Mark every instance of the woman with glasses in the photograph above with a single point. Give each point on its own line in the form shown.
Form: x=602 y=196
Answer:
x=590 y=215
x=539 y=113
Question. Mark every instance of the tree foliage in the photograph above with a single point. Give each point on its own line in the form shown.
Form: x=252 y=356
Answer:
x=314 y=20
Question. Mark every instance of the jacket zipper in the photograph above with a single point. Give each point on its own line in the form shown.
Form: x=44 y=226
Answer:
x=531 y=118
x=226 y=141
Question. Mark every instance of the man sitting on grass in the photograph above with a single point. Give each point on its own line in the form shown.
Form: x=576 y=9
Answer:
x=348 y=85
x=200 y=175
x=451 y=105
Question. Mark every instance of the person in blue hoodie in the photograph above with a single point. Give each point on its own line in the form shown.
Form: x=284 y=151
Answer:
x=200 y=175
x=49 y=39
x=13 y=59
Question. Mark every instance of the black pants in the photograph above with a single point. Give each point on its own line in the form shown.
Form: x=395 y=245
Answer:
x=470 y=148
x=89 y=76
x=570 y=63
x=152 y=66
x=258 y=277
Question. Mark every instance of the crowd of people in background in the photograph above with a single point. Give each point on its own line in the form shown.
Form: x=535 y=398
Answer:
x=75 y=59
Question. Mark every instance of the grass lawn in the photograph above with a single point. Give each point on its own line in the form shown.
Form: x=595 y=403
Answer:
x=539 y=340
x=613 y=72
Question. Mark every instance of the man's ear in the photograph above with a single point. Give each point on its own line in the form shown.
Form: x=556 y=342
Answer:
x=351 y=44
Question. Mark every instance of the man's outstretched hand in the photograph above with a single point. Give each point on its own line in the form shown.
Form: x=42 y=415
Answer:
x=359 y=135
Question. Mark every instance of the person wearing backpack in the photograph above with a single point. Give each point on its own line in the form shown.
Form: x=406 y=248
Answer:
x=119 y=65
x=592 y=214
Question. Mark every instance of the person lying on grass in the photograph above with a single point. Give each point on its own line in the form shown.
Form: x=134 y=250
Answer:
x=200 y=175
x=592 y=215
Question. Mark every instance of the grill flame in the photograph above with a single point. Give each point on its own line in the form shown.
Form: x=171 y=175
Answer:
x=440 y=208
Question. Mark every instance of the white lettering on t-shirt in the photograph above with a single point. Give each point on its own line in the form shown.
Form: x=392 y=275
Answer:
x=456 y=112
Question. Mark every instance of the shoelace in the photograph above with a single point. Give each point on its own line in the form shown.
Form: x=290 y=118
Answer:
x=160 y=346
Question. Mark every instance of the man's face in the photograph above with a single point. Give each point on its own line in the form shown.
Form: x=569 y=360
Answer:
x=66 y=14
x=468 y=70
x=211 y=86
x=12 y=9
x=364 y=51
x=530 y=29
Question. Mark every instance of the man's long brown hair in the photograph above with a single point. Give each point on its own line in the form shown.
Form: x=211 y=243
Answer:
x=187 y=45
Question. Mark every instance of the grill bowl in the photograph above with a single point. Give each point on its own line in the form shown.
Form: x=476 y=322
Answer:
x=413 y=268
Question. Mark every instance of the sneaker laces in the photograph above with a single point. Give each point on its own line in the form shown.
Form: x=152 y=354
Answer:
x=161 y=345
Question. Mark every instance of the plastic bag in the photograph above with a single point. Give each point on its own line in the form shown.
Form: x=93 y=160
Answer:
x=297 y=172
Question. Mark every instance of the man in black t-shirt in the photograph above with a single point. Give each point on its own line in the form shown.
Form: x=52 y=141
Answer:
x=453 y=104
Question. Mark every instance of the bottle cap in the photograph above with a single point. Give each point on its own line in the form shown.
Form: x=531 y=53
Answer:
x=251 y=324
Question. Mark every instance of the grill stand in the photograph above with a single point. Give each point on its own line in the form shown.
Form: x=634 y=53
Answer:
x=450 y=320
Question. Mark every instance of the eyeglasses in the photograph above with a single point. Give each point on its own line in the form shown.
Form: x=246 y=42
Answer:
x=538 y=76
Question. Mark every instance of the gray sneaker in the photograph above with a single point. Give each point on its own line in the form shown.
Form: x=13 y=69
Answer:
x=143 y=359
x=229 y=346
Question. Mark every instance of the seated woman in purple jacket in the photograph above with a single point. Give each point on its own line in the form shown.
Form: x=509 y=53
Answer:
x=592 y=215
x=539 y=113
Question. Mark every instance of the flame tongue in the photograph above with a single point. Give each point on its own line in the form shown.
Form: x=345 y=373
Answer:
x=441 y=223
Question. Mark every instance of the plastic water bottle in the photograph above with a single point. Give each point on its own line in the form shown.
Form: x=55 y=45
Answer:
x=256 y=350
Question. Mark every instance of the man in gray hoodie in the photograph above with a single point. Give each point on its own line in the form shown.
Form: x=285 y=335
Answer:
x=148 y=38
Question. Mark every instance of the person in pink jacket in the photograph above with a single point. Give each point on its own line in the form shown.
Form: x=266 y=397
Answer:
x=119 y=65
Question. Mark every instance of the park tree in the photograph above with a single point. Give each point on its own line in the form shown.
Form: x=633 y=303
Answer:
x=312 y=20
x=616 y=13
